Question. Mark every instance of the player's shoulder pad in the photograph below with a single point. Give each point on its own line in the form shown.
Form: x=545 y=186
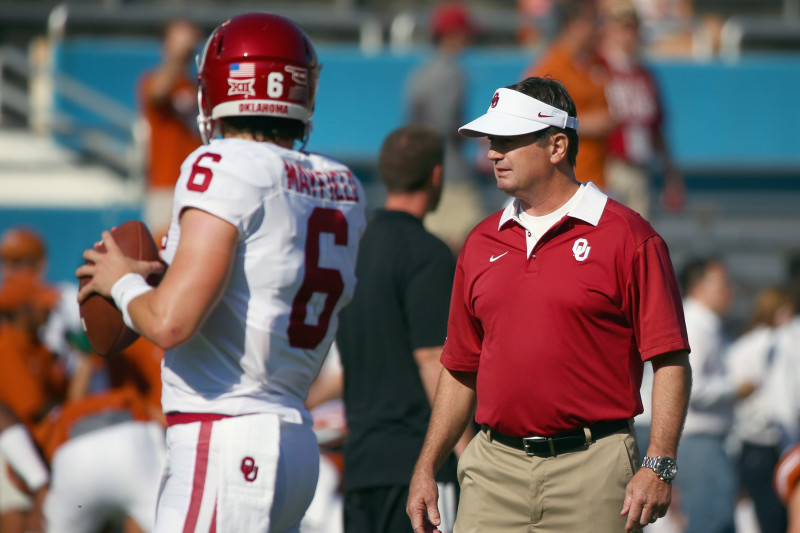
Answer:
x=324 y=161
x=257 y=163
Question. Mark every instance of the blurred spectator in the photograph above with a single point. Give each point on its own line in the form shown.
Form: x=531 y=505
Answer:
x=750 y=359
x=707 y=479
x=32 y=381
x=391 y=336
x=33 y=384
x=22 y=249
x=668 y=26
x=573 y=60
x=106 y=456
x=783 y=382
x=675 y=28
x=138 y=367
x=637 y=143
x=783 y=386
x=536 y=22
x=168 y=100
x=435 y=97
x=105 y=444
x=24 y=477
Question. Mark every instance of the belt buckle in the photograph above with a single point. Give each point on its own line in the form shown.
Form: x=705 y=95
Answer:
x=529 y=442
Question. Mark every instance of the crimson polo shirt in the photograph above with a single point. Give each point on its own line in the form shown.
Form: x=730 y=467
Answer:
x=558 y=339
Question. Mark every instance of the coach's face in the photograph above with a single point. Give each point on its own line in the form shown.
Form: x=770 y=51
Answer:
x=521 y=162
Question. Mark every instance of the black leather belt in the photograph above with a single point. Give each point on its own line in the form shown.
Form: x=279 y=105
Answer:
x=556 y=444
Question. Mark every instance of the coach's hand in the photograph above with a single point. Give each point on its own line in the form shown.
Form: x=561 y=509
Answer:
x=647 y=499
x=423 y=495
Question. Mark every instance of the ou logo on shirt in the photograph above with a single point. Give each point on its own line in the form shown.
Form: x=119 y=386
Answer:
x=249 y=469
x=580 y=249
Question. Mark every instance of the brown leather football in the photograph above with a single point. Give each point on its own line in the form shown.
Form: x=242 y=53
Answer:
x=101 y=319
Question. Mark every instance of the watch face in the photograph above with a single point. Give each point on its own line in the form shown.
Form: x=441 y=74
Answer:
x=667 y=469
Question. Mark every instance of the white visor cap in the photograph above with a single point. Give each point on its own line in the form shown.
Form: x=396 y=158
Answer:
x=513 y=113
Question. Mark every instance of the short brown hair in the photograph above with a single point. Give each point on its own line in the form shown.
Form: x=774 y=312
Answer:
x=263 y=128
x=408 y=157
x=553 y=92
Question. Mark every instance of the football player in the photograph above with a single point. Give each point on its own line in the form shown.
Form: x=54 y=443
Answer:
x=106 y=456
x=32 y=382
x=261 y=252
x=22 y=249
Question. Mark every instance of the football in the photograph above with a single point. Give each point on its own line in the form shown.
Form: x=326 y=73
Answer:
x=101 y=319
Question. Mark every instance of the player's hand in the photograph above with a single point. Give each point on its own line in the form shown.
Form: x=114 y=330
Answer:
x=181 y=41
x=423 y=495
x=105 y=268
x=647 y=499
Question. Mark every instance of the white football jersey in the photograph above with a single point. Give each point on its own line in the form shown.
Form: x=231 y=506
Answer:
x=299 y=217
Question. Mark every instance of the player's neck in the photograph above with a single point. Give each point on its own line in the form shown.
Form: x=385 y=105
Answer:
x=283 y=142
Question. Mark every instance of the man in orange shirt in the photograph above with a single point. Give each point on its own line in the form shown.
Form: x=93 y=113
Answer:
x=572 y=60
x=169 y=104
x=32 y=388
x=31 y=382
x=21 y=248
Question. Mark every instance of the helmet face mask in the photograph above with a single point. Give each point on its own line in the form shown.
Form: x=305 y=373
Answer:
x=256 y=64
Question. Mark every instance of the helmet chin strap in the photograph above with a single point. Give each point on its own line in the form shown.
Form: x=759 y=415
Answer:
x=202 y=125
x=203 y=121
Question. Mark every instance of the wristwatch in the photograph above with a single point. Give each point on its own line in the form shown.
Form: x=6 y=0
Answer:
x=664 y=467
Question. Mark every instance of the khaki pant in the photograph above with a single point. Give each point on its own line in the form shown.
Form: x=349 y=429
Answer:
x=629 y=184
x=504 y=490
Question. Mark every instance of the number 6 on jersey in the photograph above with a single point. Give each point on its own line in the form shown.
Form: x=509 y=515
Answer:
x=327 y=281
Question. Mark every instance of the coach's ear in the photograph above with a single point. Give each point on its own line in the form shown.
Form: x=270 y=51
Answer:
x=559 y=143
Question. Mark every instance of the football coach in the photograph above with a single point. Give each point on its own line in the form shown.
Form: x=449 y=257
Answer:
x=558 y=300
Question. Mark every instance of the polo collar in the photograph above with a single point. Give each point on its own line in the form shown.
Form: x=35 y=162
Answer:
x=589 y=208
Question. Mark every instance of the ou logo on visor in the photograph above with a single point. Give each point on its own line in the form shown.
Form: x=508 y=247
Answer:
x=580 y=249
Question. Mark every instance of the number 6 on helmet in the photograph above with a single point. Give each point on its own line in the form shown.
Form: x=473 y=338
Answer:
x=240 y=73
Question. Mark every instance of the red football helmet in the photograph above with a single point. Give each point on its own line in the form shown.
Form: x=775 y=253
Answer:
x=256 y=64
